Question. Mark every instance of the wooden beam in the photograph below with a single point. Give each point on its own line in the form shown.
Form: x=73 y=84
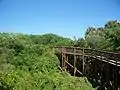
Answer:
x=74 y=62
x=73 y=68
x=116 y=75
x=62 y=58
x=65 y=62
x=83 y=60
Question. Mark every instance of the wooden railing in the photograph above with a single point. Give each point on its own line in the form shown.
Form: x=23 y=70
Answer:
x=109 y=57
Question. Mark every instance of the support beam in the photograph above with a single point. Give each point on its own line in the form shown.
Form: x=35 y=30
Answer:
x=76 y=69
x=66 y=60
x=83 y=61
x=74 y=62
x=113 y=82
x=116 y=75
x=62 y=52
x=107 y=63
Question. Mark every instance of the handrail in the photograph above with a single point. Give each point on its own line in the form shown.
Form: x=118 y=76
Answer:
x=71 y=47
x=90 y=52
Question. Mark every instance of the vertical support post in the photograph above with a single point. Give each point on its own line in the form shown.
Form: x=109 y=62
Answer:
x=62 y=57
x=95 y=69
x=107 y=74
x=113 y=84
x=116 y=79
x=66 y=61
x=85 y=65
x=83 y=61
x=74 y=62
x=101 y=69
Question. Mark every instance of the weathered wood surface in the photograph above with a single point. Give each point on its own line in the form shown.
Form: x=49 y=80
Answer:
x=114 y=58
x=99 y=66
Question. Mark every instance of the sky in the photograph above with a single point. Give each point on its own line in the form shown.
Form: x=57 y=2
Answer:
x=68 y=18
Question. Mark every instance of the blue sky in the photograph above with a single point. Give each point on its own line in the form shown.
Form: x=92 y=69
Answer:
x=63 y=17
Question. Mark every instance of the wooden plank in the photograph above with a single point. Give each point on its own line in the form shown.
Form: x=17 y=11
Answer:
x=110 y=61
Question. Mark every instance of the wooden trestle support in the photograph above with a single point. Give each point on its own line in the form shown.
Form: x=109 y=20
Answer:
x=101 y=68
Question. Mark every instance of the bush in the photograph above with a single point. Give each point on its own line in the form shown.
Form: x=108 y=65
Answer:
x=27 y=64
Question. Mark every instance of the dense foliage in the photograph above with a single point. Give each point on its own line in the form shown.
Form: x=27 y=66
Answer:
x=103 y=38
x=28 y=63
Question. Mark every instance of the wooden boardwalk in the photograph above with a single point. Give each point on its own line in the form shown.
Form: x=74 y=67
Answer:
x=100 y=67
